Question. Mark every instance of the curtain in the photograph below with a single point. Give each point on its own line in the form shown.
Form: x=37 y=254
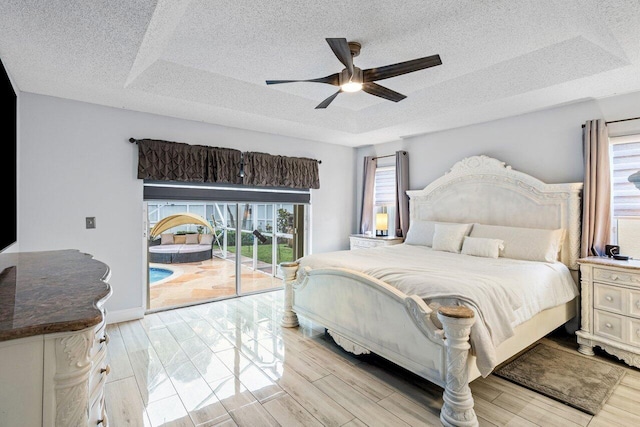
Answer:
x=171 y=161
x=402 y=200
x=176 y=161
x=266 y=170
x=596 y=200
x=368 y=181
x=223 y=165
x=299 y=172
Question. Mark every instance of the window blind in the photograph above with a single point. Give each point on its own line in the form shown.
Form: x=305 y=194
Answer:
x=158 y=190
x=385 y=186
x=625 y=161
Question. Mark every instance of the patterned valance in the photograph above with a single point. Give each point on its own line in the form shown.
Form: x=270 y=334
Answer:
x=266 y=170
x=171 y=161
x=224 y=165
x=176 y=161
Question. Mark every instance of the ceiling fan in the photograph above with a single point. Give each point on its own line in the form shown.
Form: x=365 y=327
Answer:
x=353 y=79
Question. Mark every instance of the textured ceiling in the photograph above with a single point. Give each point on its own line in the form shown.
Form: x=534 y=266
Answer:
x=207 y=61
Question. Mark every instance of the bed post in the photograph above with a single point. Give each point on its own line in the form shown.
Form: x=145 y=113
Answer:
x=289 y=317
x=457 y=409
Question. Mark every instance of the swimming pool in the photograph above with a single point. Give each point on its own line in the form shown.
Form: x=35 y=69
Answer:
x=156 y=274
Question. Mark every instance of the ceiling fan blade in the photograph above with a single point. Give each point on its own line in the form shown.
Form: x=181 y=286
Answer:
x=388 y=71
x=333 y=79
x=341 y=49
x=326 y=102
x=381 y=91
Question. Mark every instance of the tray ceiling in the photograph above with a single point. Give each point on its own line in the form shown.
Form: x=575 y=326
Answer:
x=208 y=61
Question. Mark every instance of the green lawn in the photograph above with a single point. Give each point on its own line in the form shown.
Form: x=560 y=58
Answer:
x=264 y=252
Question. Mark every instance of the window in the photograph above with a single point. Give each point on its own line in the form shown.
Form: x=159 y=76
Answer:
x=385 y=186
x=625 y=161
x=384 y=199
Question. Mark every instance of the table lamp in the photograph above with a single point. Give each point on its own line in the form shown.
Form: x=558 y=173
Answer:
x=382 y=219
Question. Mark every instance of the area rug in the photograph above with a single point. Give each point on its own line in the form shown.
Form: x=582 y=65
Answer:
x=582 y=382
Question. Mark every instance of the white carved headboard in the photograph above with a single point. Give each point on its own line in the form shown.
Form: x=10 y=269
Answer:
x=482 y=189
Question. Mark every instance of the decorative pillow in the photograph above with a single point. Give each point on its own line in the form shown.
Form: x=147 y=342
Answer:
x=480 y=246
x=180 y=239
x=191 y=239
x=166 y=239
x=529 y=244
x=421 y=232
x=206 y=239
x=448 y=237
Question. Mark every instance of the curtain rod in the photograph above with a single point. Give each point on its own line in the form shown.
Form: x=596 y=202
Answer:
x=388 y=155
x=133 y=140
x=621 y=120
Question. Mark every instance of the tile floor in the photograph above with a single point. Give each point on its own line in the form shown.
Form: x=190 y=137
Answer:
x=229 y=363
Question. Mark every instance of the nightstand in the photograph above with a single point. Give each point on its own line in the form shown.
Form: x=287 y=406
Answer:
x=360 y=241
x=610 y=308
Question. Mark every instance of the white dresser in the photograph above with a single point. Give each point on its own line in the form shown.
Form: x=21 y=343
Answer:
x=53 y=344
x=610 y=308
x=361 y=241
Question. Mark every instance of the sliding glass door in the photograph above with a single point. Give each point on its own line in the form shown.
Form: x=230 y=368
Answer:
x=246 y=241
x=268 y=238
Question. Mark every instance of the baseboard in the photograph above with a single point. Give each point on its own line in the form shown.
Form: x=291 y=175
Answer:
x=117 y=316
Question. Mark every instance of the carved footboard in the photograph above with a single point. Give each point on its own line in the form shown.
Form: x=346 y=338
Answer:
x=365 y=315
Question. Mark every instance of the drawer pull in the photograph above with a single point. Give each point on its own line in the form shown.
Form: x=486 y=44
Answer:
x=608 y=325
x=106 y=370
x=609 y=298
x=105 y=339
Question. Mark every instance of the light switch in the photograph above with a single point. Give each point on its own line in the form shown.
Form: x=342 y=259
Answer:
x=91 y=222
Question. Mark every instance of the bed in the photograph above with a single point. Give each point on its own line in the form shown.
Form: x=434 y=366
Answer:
x=450 y=317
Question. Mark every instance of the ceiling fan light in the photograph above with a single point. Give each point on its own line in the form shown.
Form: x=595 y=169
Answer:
x=351 y=87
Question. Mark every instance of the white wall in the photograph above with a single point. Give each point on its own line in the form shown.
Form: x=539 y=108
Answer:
x=546 y=144
x=76 y=161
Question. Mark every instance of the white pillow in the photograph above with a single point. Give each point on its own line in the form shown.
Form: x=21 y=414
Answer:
x=448 y=237
x=530 y=244
x=480 y=246
x=421 y=232
x=166 y=239
x=206 y=239
x=192 y=239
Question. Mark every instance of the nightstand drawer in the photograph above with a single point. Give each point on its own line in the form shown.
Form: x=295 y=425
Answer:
x=612 y=276
x=361 y=241
x=609 y=325
x=609 y=298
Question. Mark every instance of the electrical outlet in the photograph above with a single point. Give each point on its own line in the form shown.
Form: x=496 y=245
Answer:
x=91 y=221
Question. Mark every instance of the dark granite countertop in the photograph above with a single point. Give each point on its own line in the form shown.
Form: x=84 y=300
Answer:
x=50 y=291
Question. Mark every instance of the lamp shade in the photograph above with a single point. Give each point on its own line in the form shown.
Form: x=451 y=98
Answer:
x=382 y=219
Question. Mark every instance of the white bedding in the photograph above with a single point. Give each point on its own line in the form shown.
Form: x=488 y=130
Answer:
x=503 y=292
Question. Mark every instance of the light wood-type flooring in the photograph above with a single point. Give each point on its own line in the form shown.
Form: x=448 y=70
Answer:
x=230 y=363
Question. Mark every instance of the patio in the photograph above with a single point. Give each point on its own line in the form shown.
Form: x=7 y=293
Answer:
x=207 y=280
